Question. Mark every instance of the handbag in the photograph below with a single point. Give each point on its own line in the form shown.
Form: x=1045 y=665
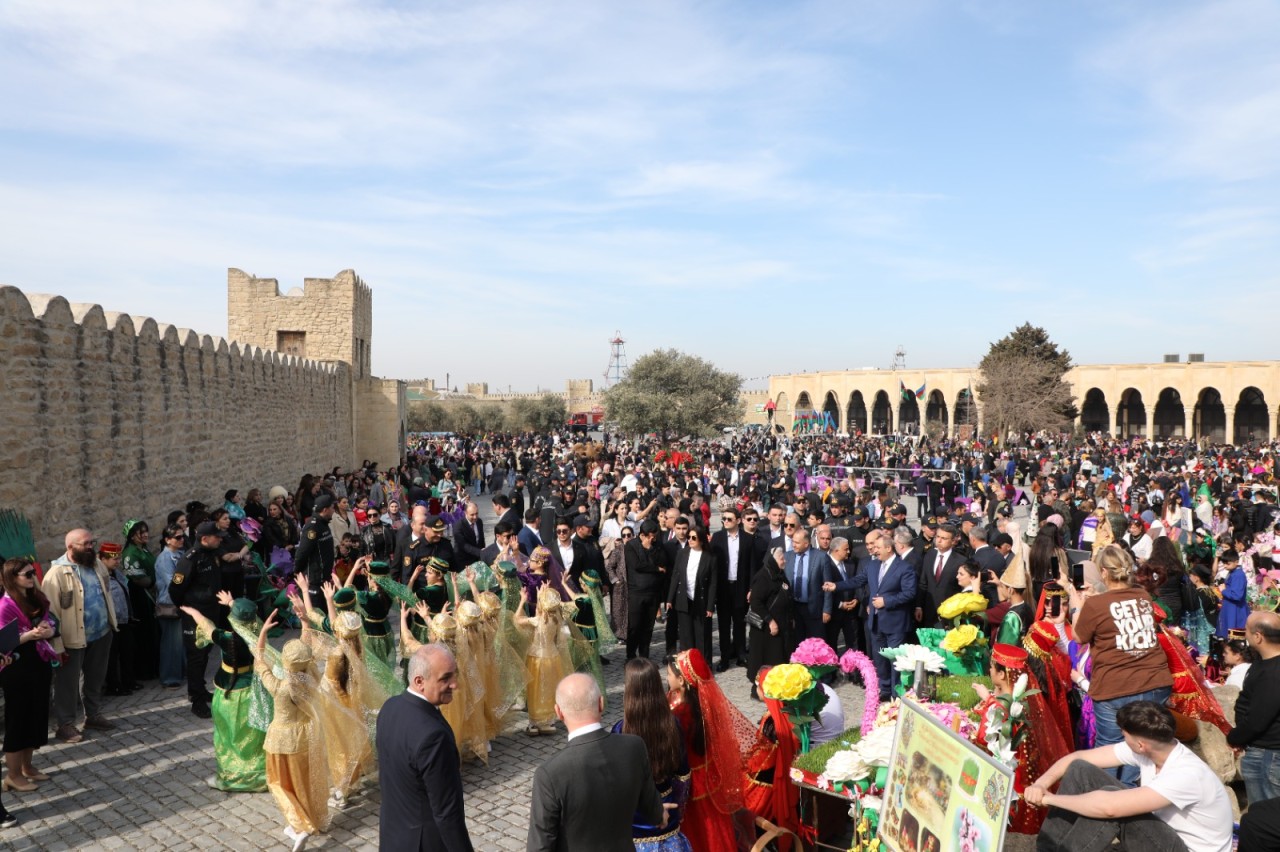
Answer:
x=755 y=620
x=167 y=611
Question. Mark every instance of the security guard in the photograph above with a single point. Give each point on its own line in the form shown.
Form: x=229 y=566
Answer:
x=314 y=556
x=197 y=579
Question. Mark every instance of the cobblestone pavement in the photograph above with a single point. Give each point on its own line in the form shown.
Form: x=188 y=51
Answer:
x=143 y=786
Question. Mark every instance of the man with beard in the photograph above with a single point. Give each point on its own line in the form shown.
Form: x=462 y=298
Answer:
x=197 y=579
x=80 y=601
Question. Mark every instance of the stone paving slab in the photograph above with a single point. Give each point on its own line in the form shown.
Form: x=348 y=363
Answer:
x=142 y=786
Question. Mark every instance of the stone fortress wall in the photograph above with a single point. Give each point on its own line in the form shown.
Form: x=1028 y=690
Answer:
x=109 y=417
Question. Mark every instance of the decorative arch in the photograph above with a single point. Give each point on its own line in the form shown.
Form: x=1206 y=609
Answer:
x=802 y=417
x=935 y=410
x=966 y=413
x=1210 y=416
x=832 y=407
x=1131 y=414
x=1095 y=416
x=856 y=416
x=1252 y=420
x=908 y=413
x=1170 y=416
x=882 y=415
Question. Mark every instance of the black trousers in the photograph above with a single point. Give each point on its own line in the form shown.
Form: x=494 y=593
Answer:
x=197 y=661
x=120 y=668
x=1065 y=831
x=733 y=628
x=1260 y=826
x=642 y=609
x=849 y=626
x=695 y=631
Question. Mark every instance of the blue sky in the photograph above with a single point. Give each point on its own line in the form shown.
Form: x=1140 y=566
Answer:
x=773 y=186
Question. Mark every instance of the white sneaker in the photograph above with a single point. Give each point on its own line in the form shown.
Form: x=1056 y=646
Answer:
x=298 y=838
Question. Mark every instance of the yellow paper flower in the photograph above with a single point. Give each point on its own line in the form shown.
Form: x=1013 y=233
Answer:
x=959 y=638
x=962 y=604
x=787 y=682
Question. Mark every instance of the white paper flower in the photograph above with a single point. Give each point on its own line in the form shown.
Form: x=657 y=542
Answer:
x=875 y=747
x=846 y=766
x=912 y=654
x=872 y=803
x=1015 y=710
x=1020 y=686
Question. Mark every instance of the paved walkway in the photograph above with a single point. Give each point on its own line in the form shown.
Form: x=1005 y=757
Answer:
x=143 y=786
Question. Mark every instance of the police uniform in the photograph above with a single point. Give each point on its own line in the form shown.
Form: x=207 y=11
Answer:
x=197 y=579
x=315 y=552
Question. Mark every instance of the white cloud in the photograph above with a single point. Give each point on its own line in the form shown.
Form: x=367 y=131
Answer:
x=1203 y=81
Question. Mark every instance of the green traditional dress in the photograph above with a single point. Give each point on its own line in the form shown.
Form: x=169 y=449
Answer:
x=375 y=607
x=1015 y=624
x=238 y=746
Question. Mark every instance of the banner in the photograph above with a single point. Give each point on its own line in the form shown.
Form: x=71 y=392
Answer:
x=942 y=791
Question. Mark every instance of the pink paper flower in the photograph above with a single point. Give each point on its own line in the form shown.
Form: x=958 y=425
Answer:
x=814 y=652
x=857 y=661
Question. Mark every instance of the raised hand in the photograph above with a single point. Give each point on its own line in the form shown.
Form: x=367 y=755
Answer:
x=224 y=598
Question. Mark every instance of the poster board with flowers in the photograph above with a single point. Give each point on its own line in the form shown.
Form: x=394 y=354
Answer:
x=942 y=792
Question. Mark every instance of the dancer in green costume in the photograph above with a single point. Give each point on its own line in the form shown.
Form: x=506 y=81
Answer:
x=238 y=746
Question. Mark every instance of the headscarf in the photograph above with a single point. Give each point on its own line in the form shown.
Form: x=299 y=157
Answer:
x=728 y=734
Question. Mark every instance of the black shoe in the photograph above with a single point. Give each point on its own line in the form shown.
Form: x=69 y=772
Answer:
x=7 y=819
x=754 y=696
x=201 y=710
x=723 y=666
x=115 y=691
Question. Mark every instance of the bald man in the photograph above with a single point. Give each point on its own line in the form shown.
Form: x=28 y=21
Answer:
x=585 y=797
x=1257 y=728
x=418 y=767
x=80 y=600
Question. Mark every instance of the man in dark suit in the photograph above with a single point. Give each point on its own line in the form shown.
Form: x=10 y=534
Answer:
x=987 y=557
x=840 y=610
x=569 y=553
x=888 y=583
x=647 y=572
x=806 y=569
x=675 y=540
x=739 y=554
x=418 y=761
x=584 y=798
x=468 y=535
x=692 y=599
x=530 y=536
x=592 y=557
x=938 y=576
x=505 y=514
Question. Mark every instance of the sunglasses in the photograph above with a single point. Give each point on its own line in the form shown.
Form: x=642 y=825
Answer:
x=627 y=535
x=27 y=574
x=750 y=520
x=789 y=526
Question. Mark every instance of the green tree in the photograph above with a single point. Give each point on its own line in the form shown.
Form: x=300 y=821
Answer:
x=542 y=414
x=672 y=393
x=428 y=417
x=1022 y=383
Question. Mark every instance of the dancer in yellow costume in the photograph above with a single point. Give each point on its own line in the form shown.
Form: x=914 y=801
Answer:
x=548 y=659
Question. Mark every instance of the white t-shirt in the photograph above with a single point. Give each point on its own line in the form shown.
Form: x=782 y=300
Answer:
x=830 y=722
x=1236 y=678
x=1198 y=811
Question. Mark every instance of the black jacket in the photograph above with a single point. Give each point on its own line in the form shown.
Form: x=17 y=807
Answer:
x=197 y=580
x=420 y=780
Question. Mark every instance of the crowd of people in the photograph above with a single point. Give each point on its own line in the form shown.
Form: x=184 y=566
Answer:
x=1129 y=573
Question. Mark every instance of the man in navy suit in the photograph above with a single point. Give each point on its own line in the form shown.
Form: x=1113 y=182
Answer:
x=418 y=761
x=468 y=536
x=806 y=568
x=890 y=583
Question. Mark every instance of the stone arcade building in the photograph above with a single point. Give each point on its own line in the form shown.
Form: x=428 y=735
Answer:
x=109 y=416
x=1231 y=401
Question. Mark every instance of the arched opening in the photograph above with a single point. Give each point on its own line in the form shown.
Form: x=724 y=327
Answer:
x=1210 y=416
x=966 y=416
x=1094 y=414
x=831 y=407
x=908 y=413
x=1253 y=423
x=1170 y=415
x=803 y=419
x=1131 y=414
x=882 y=415
x=782 y=414
x=856 y=421
x=935 y=414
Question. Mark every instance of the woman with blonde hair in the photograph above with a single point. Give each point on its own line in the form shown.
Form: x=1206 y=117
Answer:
x=1119 y=626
